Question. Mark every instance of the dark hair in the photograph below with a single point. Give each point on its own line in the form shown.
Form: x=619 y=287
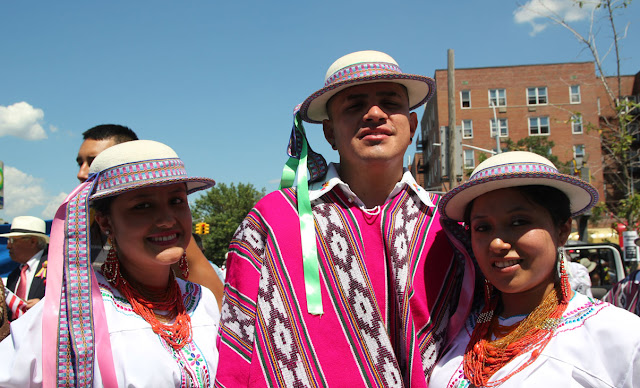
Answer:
x=553 y=200
x=118 y=133
x=102 y=205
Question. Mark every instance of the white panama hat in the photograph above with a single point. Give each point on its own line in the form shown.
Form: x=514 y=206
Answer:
x=517 y=168
x=140 y=163
x=364 y=67
x=27 y=226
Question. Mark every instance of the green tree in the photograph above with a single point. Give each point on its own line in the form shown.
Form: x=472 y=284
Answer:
x=223 y=207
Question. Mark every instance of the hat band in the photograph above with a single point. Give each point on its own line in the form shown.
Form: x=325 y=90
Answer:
x=362 y=70
x=511 y=168
x=125 y=175
x=25 y=231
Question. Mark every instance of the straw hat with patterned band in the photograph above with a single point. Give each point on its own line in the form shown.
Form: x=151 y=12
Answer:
x=71 y=283
x=364 y=67
x=134 y=164
x=517 y=168
x=27 y=226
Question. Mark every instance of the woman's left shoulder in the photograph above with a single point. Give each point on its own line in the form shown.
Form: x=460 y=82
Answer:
x=600 y=316
x=196 y=297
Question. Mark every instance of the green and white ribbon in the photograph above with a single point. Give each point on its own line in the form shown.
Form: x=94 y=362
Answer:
x=293 y=167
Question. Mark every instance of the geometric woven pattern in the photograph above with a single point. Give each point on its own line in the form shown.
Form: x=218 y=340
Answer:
x=268 y=339
x=76 y=342
x=126 y=176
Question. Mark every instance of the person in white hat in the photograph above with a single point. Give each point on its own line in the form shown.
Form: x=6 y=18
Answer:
x=531 y=329
x=133 y=323
x=346 y=280
x=27 y=244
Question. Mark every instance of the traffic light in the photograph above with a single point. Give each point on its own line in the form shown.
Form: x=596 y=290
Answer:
x=199 y=227
x=205 y=228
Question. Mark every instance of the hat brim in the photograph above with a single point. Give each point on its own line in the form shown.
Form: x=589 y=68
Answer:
x=193 y=184
x=23 y=234
x=419 y=88
x=582 y=195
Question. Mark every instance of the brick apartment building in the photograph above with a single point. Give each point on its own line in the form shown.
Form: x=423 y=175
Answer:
x=555 y=101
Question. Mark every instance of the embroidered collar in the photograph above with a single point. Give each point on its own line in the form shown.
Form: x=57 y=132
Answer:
x=332 y=179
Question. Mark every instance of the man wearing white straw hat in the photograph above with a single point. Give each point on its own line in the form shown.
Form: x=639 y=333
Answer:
x=346 y=279
x=27 y=242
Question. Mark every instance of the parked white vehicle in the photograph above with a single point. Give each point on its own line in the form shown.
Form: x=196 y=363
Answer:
x=604 y=261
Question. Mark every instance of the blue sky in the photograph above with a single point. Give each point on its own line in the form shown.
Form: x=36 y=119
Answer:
x=217 y=81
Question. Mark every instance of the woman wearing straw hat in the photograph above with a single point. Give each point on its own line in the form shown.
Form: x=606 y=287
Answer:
x=134 y=323
x=531 y=329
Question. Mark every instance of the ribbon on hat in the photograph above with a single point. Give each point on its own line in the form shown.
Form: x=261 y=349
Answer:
x=300 y=157
x=316 y=164
x=74 y=326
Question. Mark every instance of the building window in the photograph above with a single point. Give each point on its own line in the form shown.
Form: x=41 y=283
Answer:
x=465 y=99
x=576 y=124
x=578 y=151
x=504 y=129
x=498 y=97
x=537 y=96
x=538 y=126
x=469 y=160
x=467 y=129
x=574 y=94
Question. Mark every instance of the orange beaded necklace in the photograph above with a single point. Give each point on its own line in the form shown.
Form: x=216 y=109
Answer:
x=145 y=301
x=483 y=358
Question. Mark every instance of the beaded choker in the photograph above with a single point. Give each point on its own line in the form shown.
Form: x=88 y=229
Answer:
x=483 y=357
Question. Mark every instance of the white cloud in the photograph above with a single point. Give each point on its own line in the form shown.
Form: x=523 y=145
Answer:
x=52 y=207
x=53 y=128
x=22 y=120
x=535 y=13
x=22 y=192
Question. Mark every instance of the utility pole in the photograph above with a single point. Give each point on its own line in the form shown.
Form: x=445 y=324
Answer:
x=495 y=120
x=453 y=133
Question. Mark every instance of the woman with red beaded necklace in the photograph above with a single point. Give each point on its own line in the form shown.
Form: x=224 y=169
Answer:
x=529 y=329
x=134 y=323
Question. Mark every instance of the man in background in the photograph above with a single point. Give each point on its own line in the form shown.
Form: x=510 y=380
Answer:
x=98 y=139
x=27 y=244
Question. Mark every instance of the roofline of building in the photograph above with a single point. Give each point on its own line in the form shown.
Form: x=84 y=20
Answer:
x=539 y=64
x=527 y=65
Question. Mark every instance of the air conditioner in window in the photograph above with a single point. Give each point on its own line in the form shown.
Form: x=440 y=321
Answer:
x=532 y=109
x=502 y=109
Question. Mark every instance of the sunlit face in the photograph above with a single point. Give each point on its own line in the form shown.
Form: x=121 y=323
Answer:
x=89 y=149
x=151 y=227
x=370 y=122
x=515 y=241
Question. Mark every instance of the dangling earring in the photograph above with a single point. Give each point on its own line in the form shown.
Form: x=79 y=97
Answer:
x=184 y=265
x=111 y=266
x=564 y=277
x=488 y=292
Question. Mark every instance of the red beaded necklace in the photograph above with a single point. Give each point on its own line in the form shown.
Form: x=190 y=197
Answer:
x=168 y=299
x=483 y=358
